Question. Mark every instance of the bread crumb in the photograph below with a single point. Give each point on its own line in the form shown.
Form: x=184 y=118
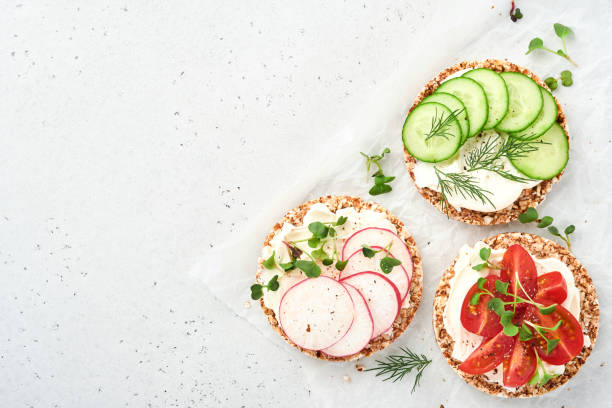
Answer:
x=346 y=379
x=359 y=367
x=247 y=305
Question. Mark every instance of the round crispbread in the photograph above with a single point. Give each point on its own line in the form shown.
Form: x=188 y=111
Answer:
x=589 y=313
x=334 y=203
x=530 y=197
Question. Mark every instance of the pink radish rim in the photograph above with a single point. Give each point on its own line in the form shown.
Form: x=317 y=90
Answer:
x=280 y=305
x=382 y=229
x=393 y=256
x=397 y=295
x=369 y=315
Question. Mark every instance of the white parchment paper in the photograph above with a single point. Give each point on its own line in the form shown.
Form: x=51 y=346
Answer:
x=583 y=197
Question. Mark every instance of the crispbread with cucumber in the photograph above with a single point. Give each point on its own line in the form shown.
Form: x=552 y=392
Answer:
x=485 y=140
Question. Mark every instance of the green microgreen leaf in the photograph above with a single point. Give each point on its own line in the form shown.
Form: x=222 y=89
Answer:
x=311 y=269
x=319 y=254
x=528 y=216
x=485 y=253
x=561 y=53
x=340 y=265
x=368 y=252
x=506 y=317
x=379 y=189
x=341 y=220
x=547 y=310
x=480 y=283
x=551 y=83
x=382 y=179
x=270 y=263
x=332 y=232
x=328 y=261
x=318 y=229
x=566 y=78
x=550 y=345
x=256 y=291
x=511 y=330
x=570 y=229
x=501 y=286
x=535 y=380
x=545 y=222
x=525 y=333
x=561 y=30
x=287 y=266
x=314 y=242
x=475 y=298
x=388 y=263
x=553 y=230
x=517 y=14
x=273 y=283
x=497 y=305
x=534 y=44
x=479 y=267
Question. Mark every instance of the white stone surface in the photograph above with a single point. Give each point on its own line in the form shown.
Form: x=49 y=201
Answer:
x=136 y=136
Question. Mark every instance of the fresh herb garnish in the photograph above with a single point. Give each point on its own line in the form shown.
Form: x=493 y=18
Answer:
x=395 y=367
x=485 y=253
x=381 y=182
x=460 y=184
x=487 y=155
x=269 y=263
x=388 y=262
x=541 y=376
x=562 y=32
x=566 y=80
x=257 y=289
x=440 y=124
x=515 y=14
x=531 y=215
x=551 y=83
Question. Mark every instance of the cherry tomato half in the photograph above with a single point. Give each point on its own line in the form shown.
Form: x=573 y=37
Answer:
x=478 y=319
x=488 y=355
x=551 y=287
x=520 y=364
x=518 y=263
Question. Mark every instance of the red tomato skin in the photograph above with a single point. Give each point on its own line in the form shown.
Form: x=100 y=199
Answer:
x=517 y=261
x=520 y=364
x=488 y=355
x=478 y=319
x=552 y=288
x=570 y=335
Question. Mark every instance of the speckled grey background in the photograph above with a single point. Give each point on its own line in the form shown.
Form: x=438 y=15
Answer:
x=135 y=136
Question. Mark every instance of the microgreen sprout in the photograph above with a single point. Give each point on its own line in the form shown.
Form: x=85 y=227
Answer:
x=562 y=32
x=566 y=80
x=388 y=262
x=381 y=182
x=515 y=13
x=269 y=263
x=257 y=289
x=541 y=376
x=550 y=343
x=485 y=253
x=531 y=215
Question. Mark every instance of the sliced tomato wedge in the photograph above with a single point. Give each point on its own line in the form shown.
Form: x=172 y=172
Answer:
x=551 y=287
x=488 y=355
x=569 y=334
x=478 y=319
x=520 y=364
x=517 y=263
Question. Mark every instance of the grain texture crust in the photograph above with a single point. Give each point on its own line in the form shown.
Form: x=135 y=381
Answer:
x=407 y=312
x=589 y=313
x=529 y=197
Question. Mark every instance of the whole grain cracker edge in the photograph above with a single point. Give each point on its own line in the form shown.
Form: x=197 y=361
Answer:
x=589 y=313
x=406 y=314
x=529 y=197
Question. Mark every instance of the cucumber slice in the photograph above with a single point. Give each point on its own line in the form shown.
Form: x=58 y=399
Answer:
x=525 y=102
x=549 y=160
x=416 y=133
x=545 y=120
x=455 y=105
x=497 y=94
x=473 y=97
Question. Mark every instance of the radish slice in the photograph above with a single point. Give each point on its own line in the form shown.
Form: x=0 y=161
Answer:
x=316 y=313
x=358 y=262
x=382 y=298
x=380 y=237
x=361 y=331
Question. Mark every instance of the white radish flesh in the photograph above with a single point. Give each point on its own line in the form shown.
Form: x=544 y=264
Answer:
x=382 y=298
x=361 y=331
x=315 y=313
x=358 y=262
x=381 y=237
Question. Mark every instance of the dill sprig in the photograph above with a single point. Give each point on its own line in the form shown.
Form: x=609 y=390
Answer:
x=439 y=124
x=395 y=367
x=487 y=155
x=459 y=183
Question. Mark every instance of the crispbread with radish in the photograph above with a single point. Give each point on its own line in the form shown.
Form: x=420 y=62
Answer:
x=360 y=333
x=294 y=230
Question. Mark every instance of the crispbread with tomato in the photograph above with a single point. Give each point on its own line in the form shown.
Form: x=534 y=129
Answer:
x=517 y=316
